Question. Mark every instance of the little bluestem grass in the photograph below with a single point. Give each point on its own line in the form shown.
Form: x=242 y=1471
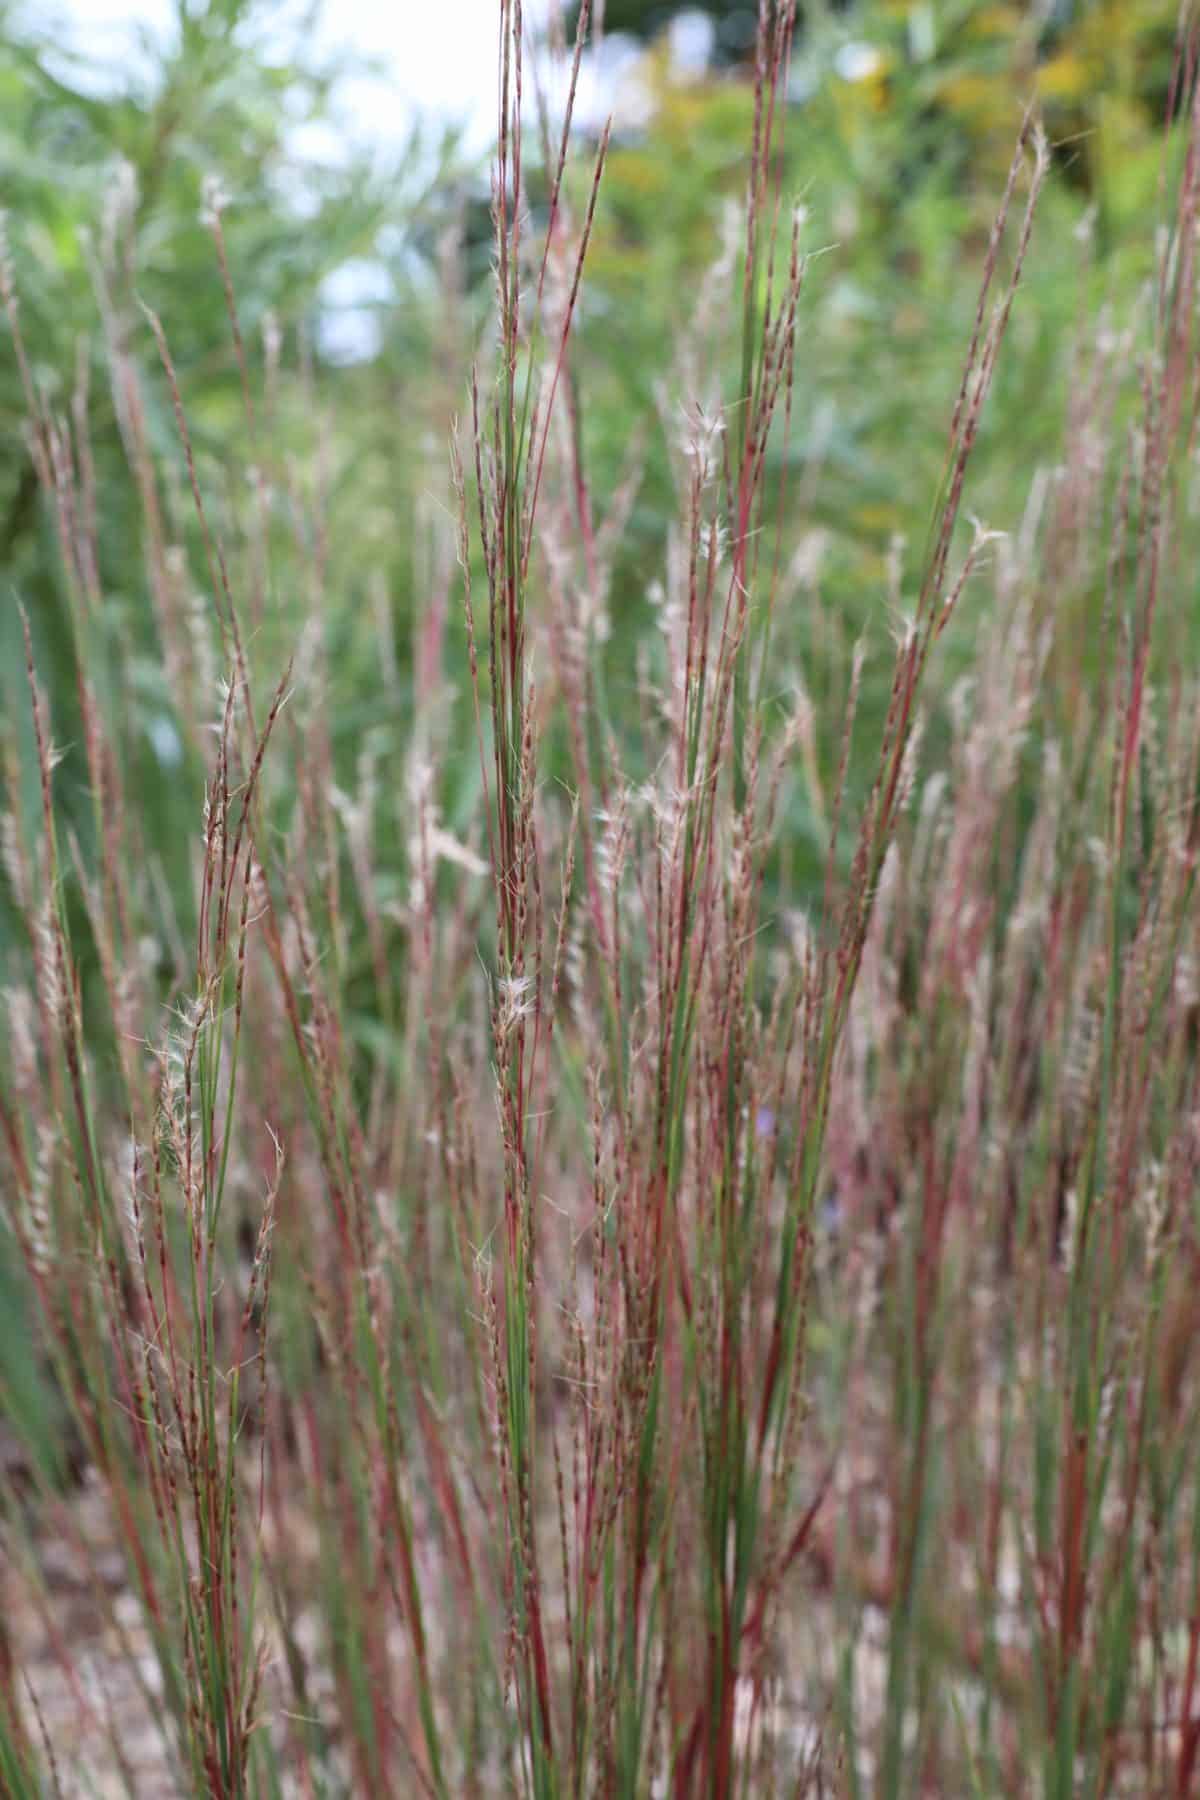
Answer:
x=685 y=1336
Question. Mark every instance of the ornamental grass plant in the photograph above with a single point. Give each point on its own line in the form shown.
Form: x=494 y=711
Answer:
x=536 y=1298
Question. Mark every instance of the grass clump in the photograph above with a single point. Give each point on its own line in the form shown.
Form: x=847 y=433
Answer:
x=686 y=1334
